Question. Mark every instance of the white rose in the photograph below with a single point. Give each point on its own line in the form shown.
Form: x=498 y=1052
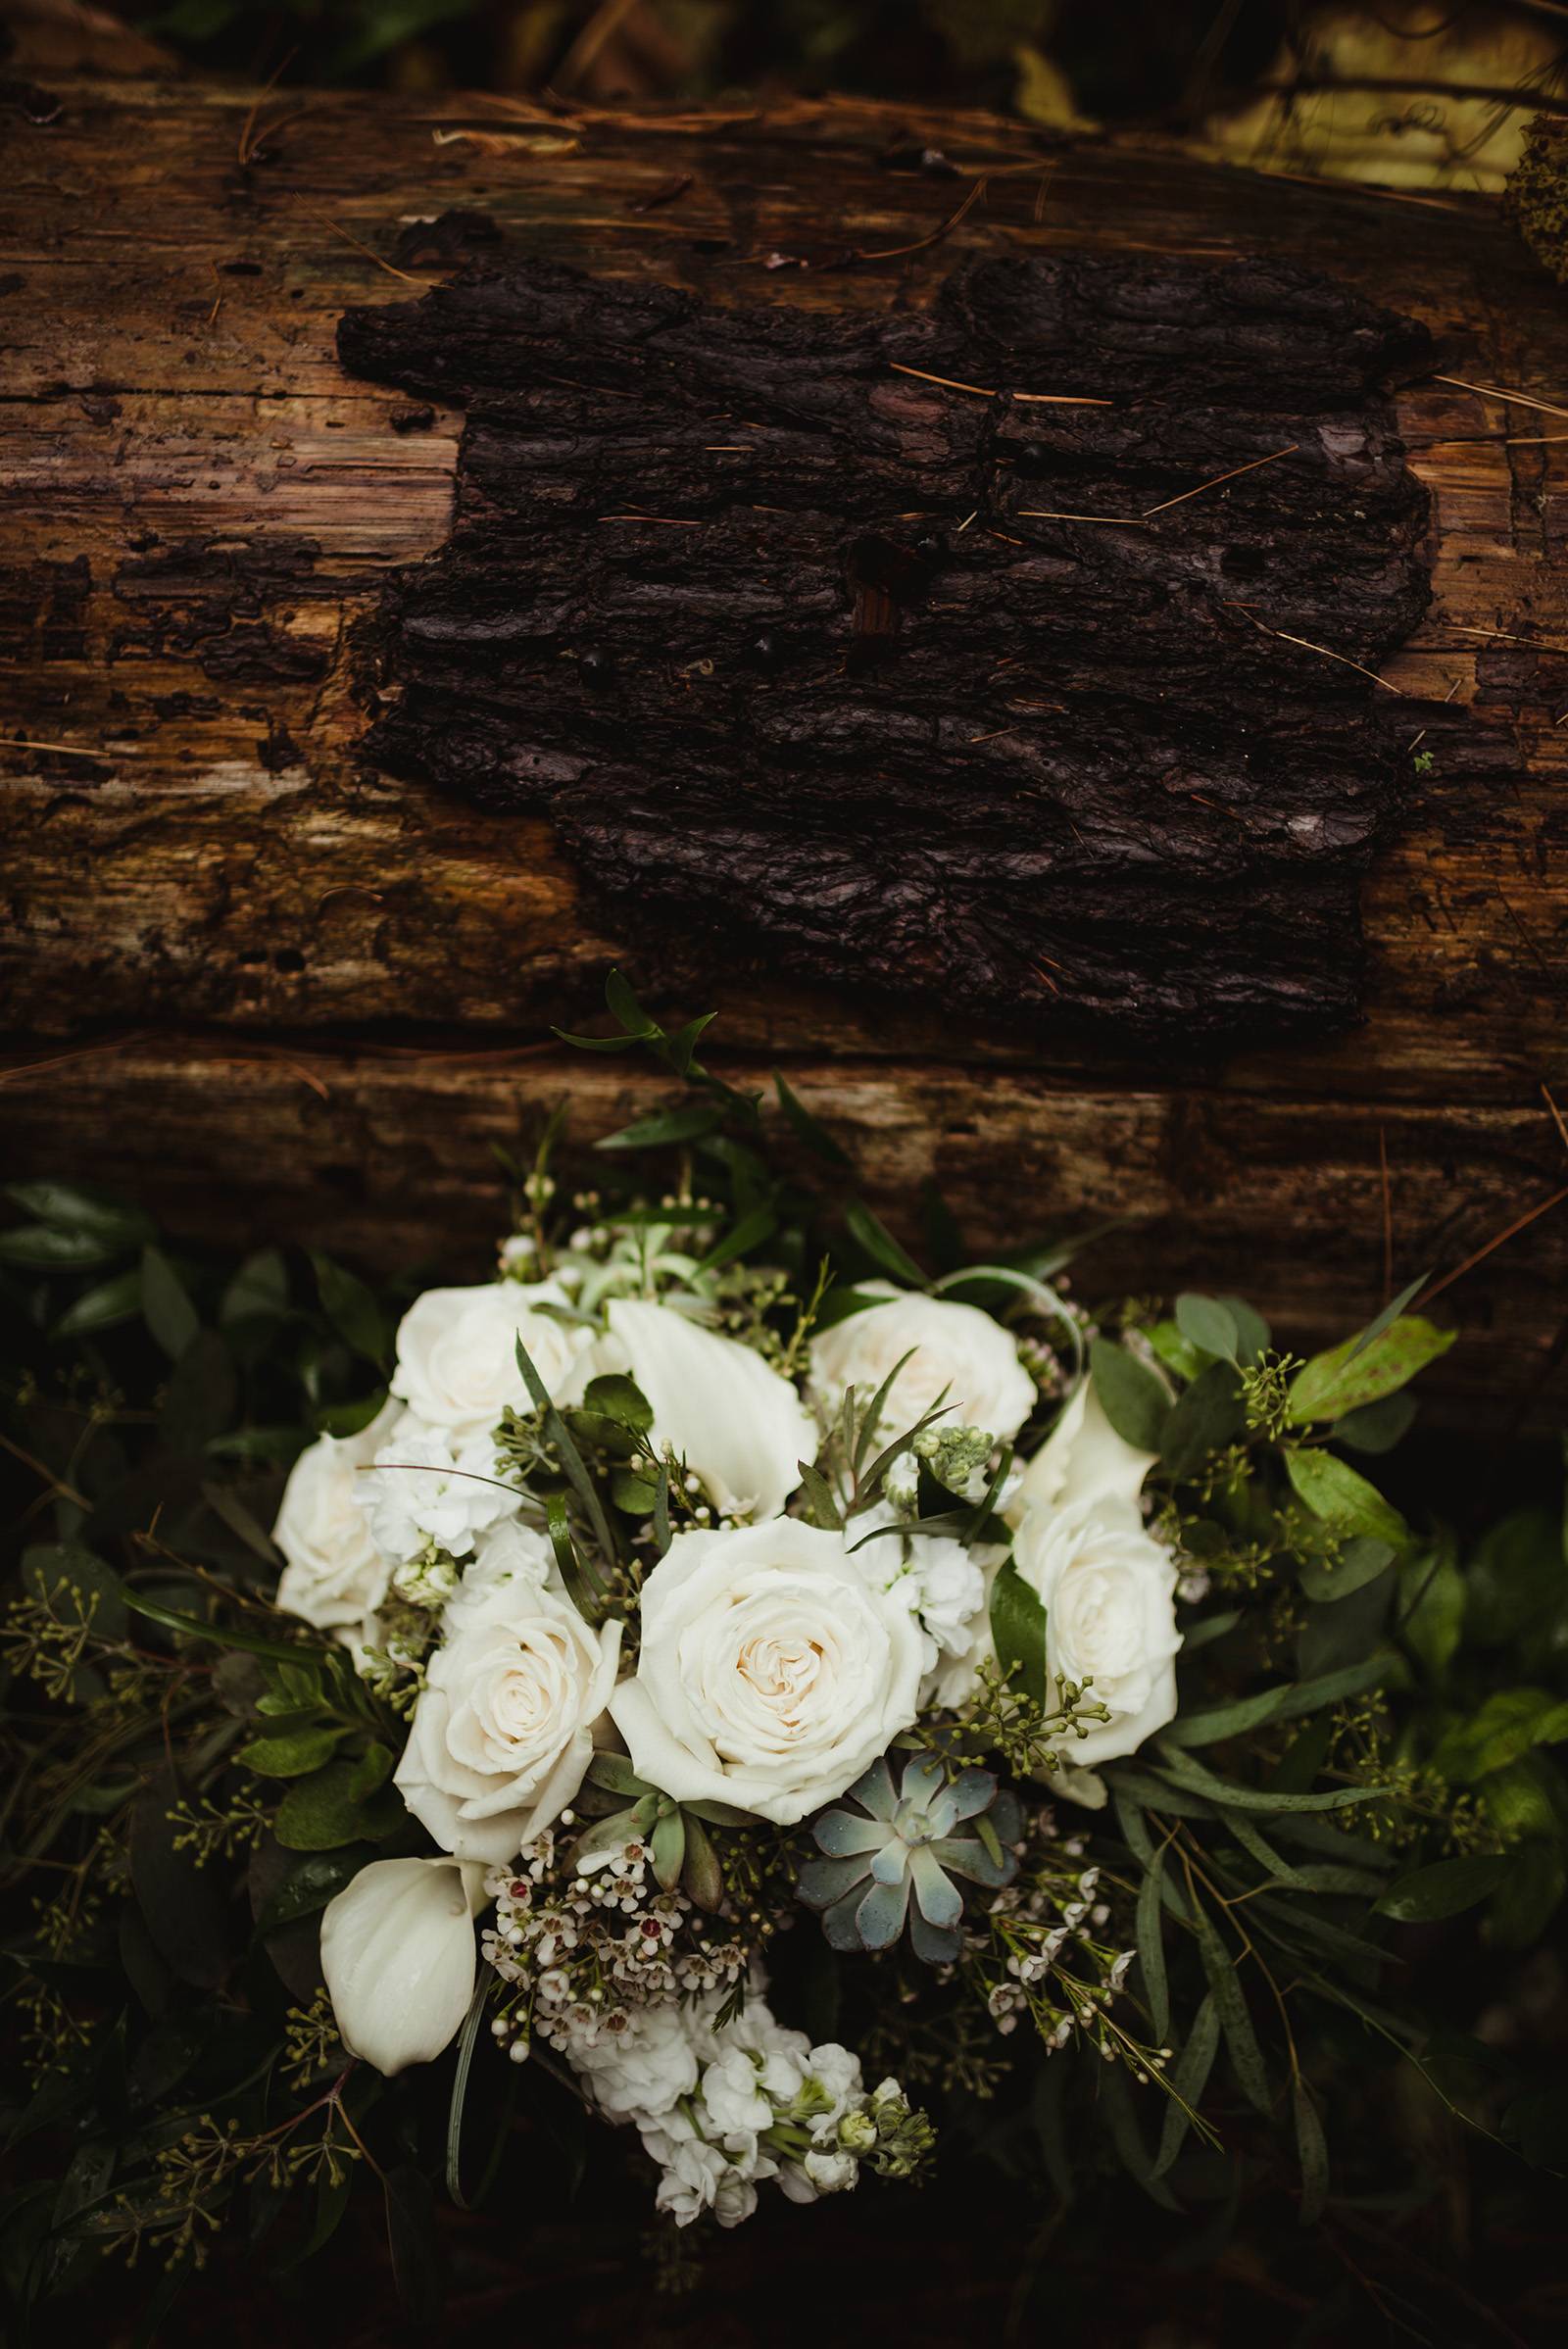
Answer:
x=456 y=1362
x=398 y=1953
x=737 y=1423
x=1107 y=1587
x=954 y=1347
x=772 y=1672
x=335 y=1574
x=424 y=1491
x=502 y=1729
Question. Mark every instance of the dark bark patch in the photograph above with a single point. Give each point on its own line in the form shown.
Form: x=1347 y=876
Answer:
x=791 y=644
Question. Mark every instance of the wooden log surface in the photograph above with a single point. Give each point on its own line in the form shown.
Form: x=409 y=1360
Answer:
x=267 y=987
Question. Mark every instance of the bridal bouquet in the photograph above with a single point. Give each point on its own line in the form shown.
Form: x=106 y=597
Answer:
x=717 y=1621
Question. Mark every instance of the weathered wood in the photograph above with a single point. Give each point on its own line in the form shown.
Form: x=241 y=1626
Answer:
x=793 y=636
x=201 y=510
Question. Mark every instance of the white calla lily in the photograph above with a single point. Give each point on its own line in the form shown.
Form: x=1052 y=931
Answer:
x=398 y=1953
x=1084 y=1463
x=737 y=1424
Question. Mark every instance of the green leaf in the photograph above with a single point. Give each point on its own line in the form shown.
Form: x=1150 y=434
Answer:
x=1364 y=1369
x=1510 y=1723
x=615 y=1396
x=1208 y=1325
x=665 y=1127
x=823 y=1507
x=682 y=1045
x=1130 y=1396
x=1208 y=1727
x=1431 y=1609
x=1251 y=1330
x=815 y=1135
x=1018 y=1629
x=105 y=1307
x=321 y=1812
x=46 y=1248
x=1343 y=1498
x=290 y=1757
x=1206 y=1416
x=258 y=1290
x=557 y=1432
x=1148 y=1935
x=411 y=2238
x=748 y=1233
x=76 y=1207
x=880 y=1245
x=633 y=1491
x=221 y=1635
x=1361 y=1560
x=1517 y=1577
x=1312 y=2151
x=614 y=1772
x=625 y=1006
x=1186 y=2079
x=466 y=2042
x=701 y=1878
x=1241 y=2041
x=1376 y=1427
x=169 y=1314
x=310 y=1885
x=1185 y=1772
x=1444 y=1889
x=352 y=1309
x=666 y=1850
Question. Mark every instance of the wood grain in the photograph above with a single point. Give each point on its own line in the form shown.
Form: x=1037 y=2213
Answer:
x=228 y=919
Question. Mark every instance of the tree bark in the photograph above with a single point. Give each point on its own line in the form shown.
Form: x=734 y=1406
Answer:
x=264 y=982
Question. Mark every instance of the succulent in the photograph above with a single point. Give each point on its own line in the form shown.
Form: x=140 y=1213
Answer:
x=900 y=1841
x=626 y=1809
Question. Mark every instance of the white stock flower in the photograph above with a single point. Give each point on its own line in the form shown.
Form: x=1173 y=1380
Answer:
x=1107 y=1587
x=334 y=1573
x=509 y=1557
x=733 y=2098
x=772 y=1672
x=739 y=1425
x=398 y=1954
x=502 y=1729
x=422 y=1491
x=955 y=1347
x=456 y=1362
x=640 y=2072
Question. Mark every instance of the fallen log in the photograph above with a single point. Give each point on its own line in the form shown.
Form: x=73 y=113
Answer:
x=278 y=950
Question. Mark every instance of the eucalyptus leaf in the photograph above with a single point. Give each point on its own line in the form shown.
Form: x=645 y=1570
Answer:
x=1207 y=1324
x=1444 y=1889
x=1130 y=1396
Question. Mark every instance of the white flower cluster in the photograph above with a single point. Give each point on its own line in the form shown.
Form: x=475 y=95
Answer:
x=721 y=2107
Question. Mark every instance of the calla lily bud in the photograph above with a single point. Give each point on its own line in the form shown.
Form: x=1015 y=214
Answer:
x=737 y=1424
x=398 y=1953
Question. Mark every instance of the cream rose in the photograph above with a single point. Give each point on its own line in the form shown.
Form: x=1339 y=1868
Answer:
x=772 y=1671
x=952 y=1347
x=457 y=1365
x=1108 y=1588
x=502 y=1729
x=334 y=1573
